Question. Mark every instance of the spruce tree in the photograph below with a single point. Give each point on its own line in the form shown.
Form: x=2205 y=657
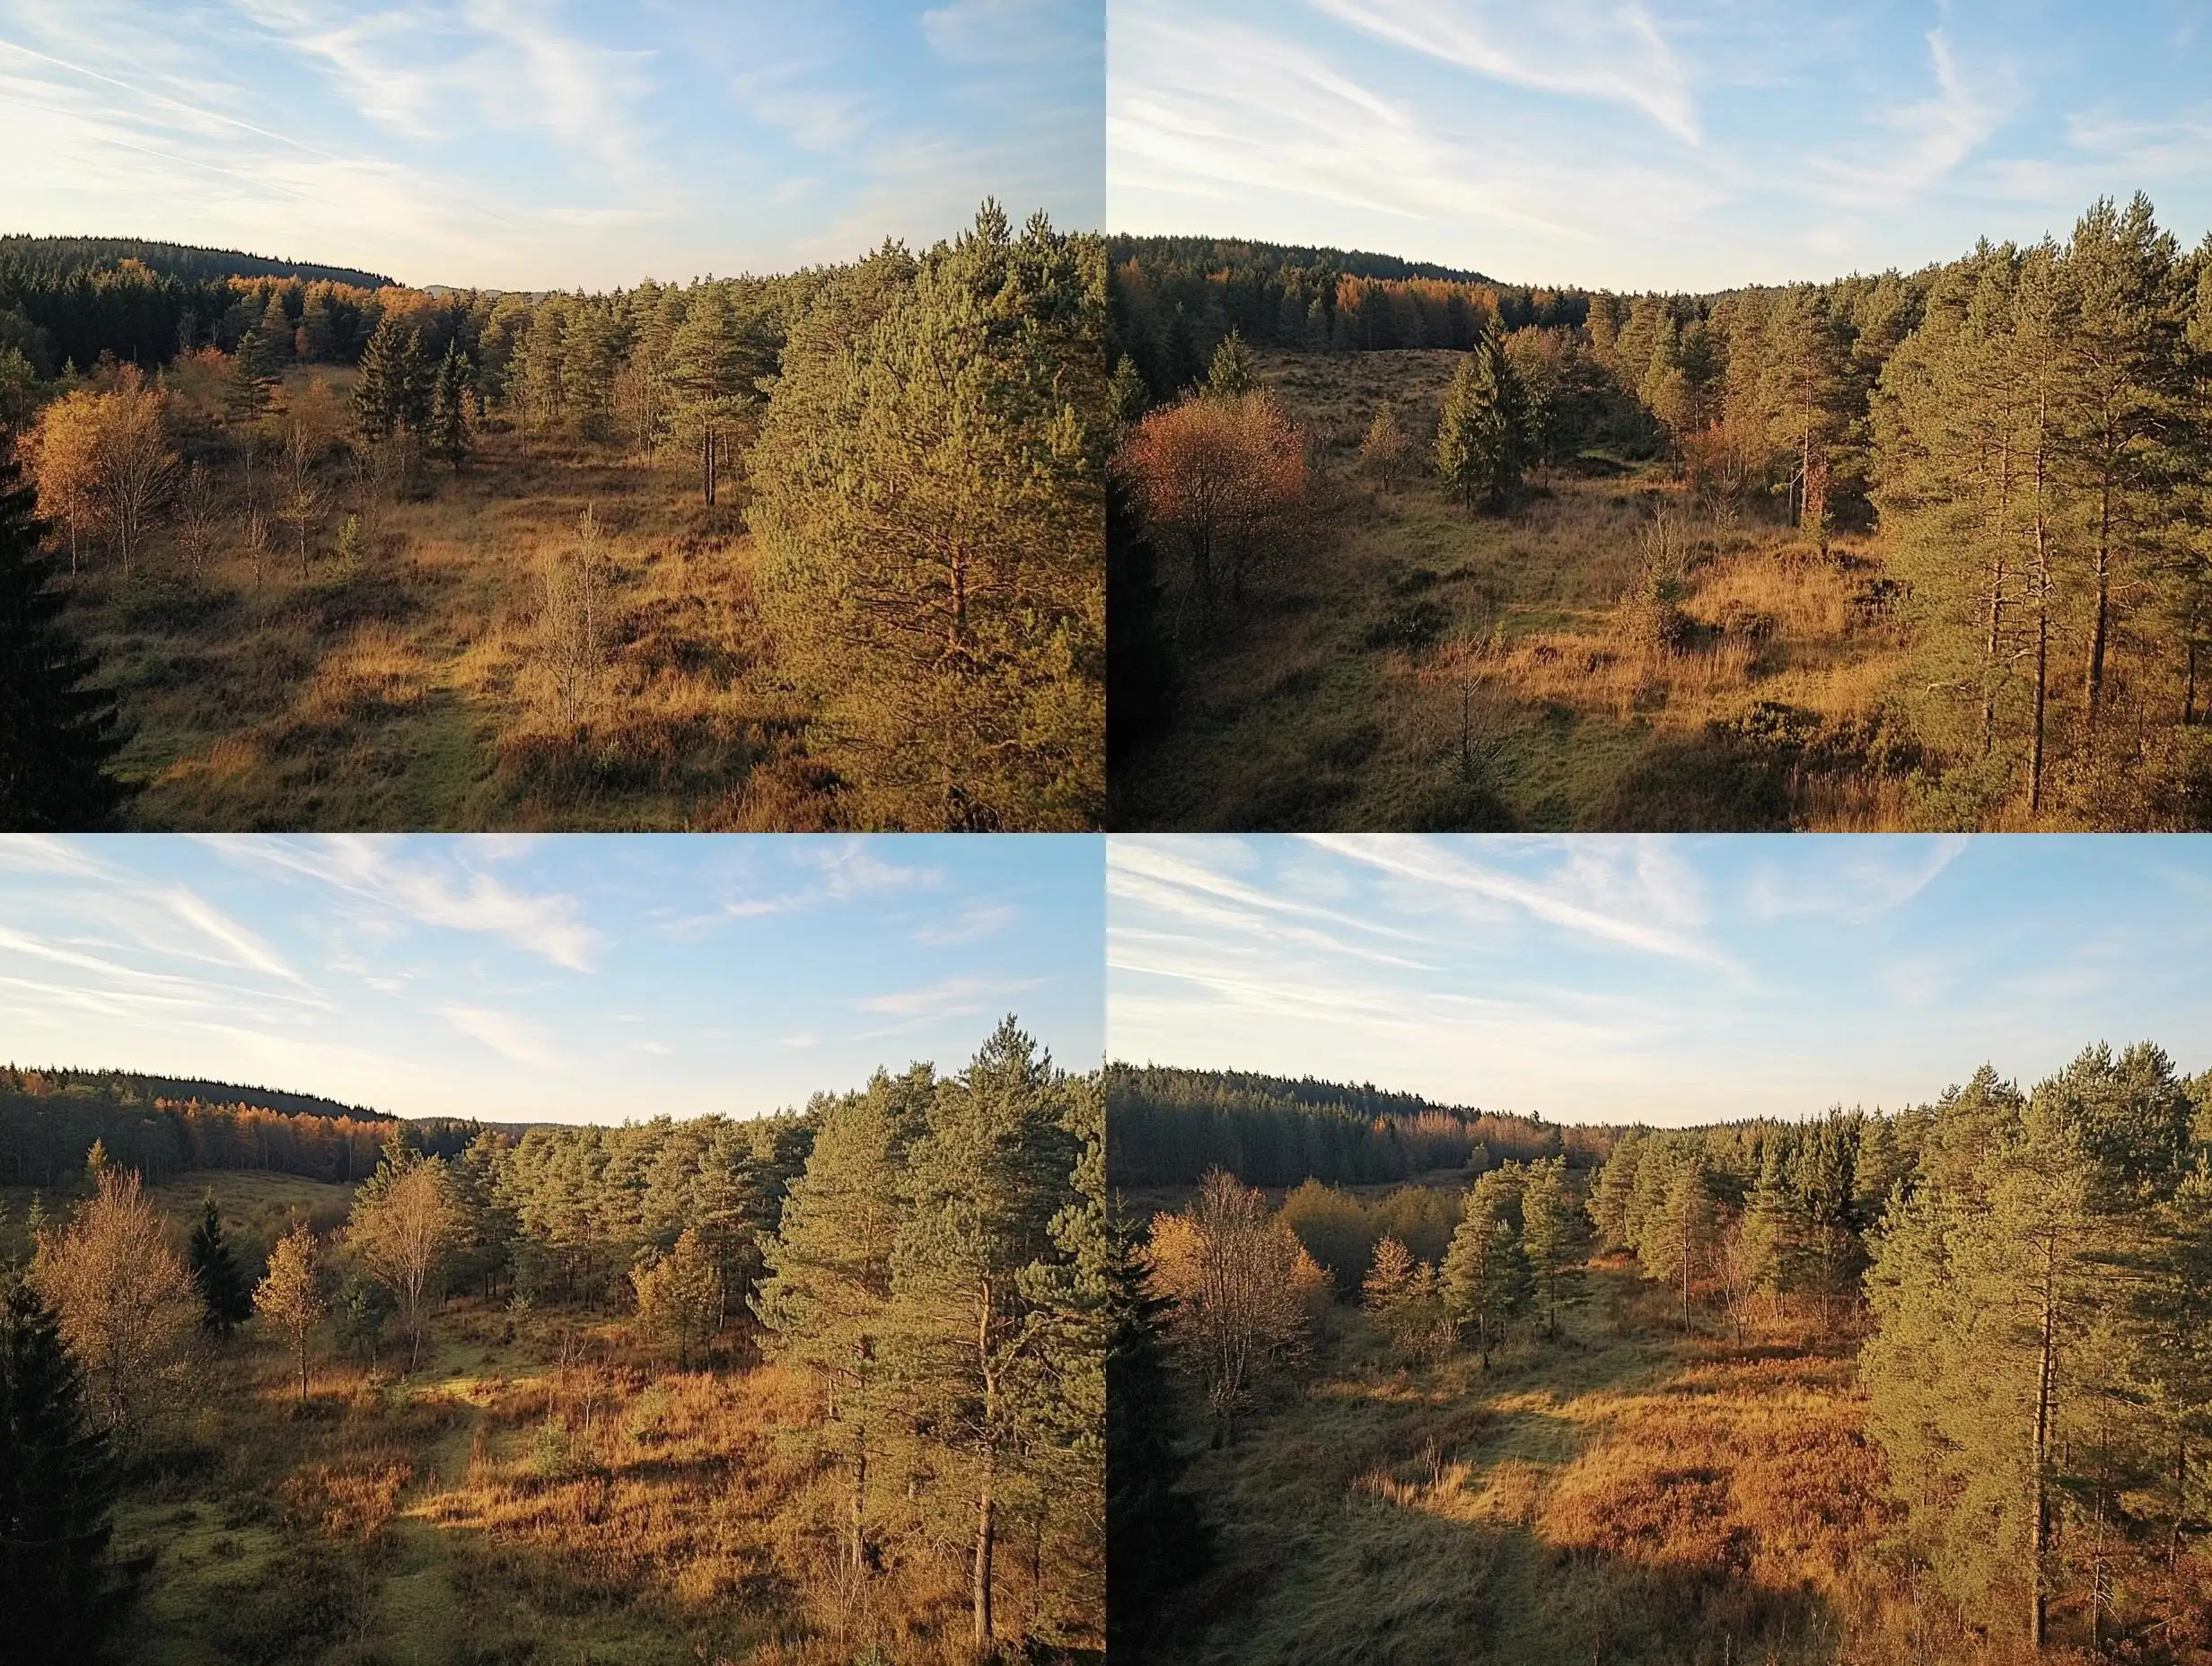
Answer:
x=57 y=1486
x=1481 y=441
x=1232 y=372
x=215 y=1273
x=1126 y=393
x=449 y=413
x=1156 y=1537
x=253 y=382
x=57 y=732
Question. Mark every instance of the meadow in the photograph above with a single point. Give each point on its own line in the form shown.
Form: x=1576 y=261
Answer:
x=1400 y=664
x=405 y=682
x=1632 y=1492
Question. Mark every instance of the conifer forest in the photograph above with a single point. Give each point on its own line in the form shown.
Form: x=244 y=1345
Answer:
x=1401 y=547
x=283 y=1380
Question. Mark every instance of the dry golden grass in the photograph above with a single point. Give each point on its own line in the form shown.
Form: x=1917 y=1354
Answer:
x=1631 y=1493
x=539 y=1491
x=1412 y=666
x=404 y=687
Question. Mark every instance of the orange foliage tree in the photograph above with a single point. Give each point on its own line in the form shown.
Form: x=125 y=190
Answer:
x=1221 y=478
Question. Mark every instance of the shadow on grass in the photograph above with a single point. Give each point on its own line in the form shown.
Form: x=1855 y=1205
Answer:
x=1398 y=1518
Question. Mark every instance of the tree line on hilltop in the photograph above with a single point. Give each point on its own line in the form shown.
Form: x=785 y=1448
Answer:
x=1172 y=1125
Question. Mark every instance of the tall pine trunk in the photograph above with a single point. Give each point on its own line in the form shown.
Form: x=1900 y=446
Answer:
x=1996 y=597
x=987 y=1496
x=2100 y=629
x=2045 y=1386
x=2043 y=617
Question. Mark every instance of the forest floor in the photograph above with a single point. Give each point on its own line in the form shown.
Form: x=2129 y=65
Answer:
x=1410 y=666
x=409 y=685
x=1630 y=1493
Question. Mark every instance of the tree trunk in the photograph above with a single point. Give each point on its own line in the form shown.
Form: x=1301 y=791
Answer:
x=985 y=1544
x=858 y=1548
x=2038 y=1618
x=1996 y=600
x=986 y=1521
x=2101 y=624
x=2042 y=624
x=302 y=1368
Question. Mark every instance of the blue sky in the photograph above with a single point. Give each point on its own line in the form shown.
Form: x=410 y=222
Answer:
x=1655 y=143
x=1667 y=980
x=546 y=144
x=564 y=979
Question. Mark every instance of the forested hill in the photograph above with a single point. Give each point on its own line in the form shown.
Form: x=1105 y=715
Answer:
x=126 y=1086
x=61 y=257
x=1169 y=1127
x=1215 y=254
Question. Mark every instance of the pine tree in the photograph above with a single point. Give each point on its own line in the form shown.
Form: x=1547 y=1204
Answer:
x=1676 y=1238
x=1554 y=1235
x=58 y=734
x=1769 y=1244
x=680 y=1295
x=1484 y=1281
x=985 y=1180
x=253 y=382
x=1480 y=439
x=1612 y=1192
x=1985 y=1300
x=826 y=1298
x=930 y=498
x=448 y=414
x=215 y=1273
x=57 y=1486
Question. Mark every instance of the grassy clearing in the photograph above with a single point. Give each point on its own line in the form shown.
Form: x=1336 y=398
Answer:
x=1410 y=666
x=542 y=1491
x=536 y=1493
x=1630 y=1493
x=403 y=685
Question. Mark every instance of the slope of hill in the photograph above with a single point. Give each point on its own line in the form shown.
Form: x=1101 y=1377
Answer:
x=125 y=1085
x=1172 y=1125
x=58 y=255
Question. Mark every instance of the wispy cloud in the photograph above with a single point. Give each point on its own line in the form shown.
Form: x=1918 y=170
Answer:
x=1865 y=879
x=1606 y=900
x=506 y=1034
x=438 y=890
x=1595 y=49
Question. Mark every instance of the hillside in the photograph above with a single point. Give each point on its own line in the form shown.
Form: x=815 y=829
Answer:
x=124 y=1084
x=57 y=257
x=1172 y=1125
